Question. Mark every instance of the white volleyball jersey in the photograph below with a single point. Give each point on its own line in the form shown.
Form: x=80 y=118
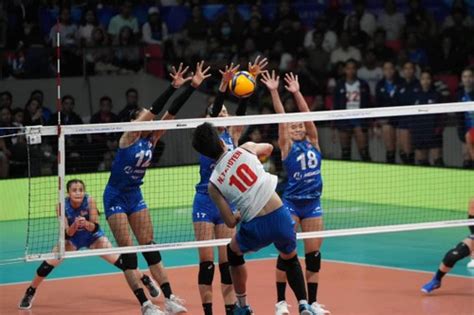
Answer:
x=243 y=182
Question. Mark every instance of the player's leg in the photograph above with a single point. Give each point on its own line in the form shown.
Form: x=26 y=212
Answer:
x=205 y=231
x=469 y=136
x=404 y=139
x=142 y=228
x=470 y=264
x=389 y=140
x=42 y=272
x=361 y=138
x=238 y=273
x=222 y=231
x=345 y=139
x=117 y=261
x=462 y=250
x=421 y=157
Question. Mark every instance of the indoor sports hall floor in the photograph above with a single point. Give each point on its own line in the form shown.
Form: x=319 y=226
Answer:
x=374 y=274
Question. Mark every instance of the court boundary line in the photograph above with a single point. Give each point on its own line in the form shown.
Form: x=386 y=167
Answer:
x=251 y=260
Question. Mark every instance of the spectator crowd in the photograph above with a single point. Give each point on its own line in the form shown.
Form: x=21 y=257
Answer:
x=349 y=57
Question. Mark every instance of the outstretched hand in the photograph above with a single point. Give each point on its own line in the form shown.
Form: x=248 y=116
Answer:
x=178 y=76
x=200 y=75
x=258 y=66
x=292 y=84
x=228 y=73
x=271 y=81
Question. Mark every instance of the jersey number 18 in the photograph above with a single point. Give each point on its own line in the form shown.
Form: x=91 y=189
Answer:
x=245 y=178
x=311 y=162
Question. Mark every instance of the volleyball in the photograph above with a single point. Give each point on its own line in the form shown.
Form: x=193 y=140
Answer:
x=242 y=84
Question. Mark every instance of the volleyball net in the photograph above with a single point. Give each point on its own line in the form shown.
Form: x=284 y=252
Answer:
x=359 y=197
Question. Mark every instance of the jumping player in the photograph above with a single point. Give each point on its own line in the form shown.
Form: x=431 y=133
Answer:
x=239 y=179
x=462 y=250
x=123 y=200
x=207 y=221
x=301 y=157
x=82 y=231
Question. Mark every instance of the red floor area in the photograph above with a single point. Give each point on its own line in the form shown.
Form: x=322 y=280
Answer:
x=345 y=289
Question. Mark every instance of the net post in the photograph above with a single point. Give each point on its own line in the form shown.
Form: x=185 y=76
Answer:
x=61 y=159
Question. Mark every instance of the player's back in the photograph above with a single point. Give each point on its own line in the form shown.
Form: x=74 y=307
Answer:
x=303 y=166
x=241 y=179
x=130 y=164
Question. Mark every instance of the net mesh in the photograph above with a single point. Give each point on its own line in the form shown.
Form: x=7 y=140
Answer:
x=356 y=194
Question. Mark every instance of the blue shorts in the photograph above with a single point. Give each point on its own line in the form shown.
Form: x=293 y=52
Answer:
x=304 y=209
x=85 y=238
x=204 y=210
x=277 y=227
x=128 y=202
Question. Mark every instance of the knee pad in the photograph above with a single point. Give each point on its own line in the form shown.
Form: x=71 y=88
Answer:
x=129 y=261
x=225 y=273
x=152 y=258
x=44 y=269
x=471 y=227
x=206 y=273
x=456 y=254
x=281 y=265
x=234 y=259
x=313 y=261
x=289 y=264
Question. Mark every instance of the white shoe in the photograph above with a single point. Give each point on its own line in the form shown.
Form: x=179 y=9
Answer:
x=149 y=308
x=470 y=264
x=174 y=305
x=318 y=309
x=281 y=308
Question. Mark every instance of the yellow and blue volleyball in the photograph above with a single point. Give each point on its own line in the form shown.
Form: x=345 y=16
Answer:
x=242 y=84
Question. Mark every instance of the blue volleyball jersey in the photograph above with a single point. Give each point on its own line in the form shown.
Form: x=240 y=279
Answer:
x=130 y=164
x=468 y=116
x=73 y=213
x=303 y=166
x=206 y=165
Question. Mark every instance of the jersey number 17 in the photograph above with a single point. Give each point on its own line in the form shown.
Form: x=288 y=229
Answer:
x=244 y=178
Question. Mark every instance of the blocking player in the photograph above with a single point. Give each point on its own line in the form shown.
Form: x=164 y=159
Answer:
x=239 y=179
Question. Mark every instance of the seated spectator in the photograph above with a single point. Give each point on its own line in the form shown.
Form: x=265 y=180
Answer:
x=15 y=145
x=105 y=114
x=345 y=52
x=291 y=34
x=366 y=20
x=335 y=17
x=67 y=30
x=6 y=99
x=391 y=21
x=45 y=111
x=68 y=115
x=385 y=95
x=446 y=58
x=14 y=62
x=468 y=20
x=226 y=37
x=5 y=143
x=195 y=33
x=131 y=98
x=427 y=130
x=99 y=55
x=318 y=57
x=284 y=13
x=38 y=61
x=381 y=51
x=418 y=16
x=459 y=31
x=89 y=23
x=370 y=72
x=256 y=31
x=329 y=36
x=357 y=37
x=127 y=55
x=124 y=19
x=352 y=93
x=33 y=113
x=235 y=20
x=416 y=54
x=155 y=30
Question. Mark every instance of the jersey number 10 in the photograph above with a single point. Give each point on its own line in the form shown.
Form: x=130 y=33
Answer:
x=312 y=161
x=245 y=178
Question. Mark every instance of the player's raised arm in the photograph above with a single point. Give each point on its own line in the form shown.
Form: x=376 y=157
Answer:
x=271 y=81
x=293 y=86
x=226 y=212
x=227 y=75
x=196 y=80
x=259 y=149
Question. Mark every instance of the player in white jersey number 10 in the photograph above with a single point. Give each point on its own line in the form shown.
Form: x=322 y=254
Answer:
x=239 y=179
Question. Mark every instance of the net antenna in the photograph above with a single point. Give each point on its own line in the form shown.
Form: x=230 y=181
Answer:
x=61 y=156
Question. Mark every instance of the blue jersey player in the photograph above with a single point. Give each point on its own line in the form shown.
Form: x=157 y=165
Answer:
x=207 y=221
x=82 y=231
x=301 y=158
x=123 y=200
